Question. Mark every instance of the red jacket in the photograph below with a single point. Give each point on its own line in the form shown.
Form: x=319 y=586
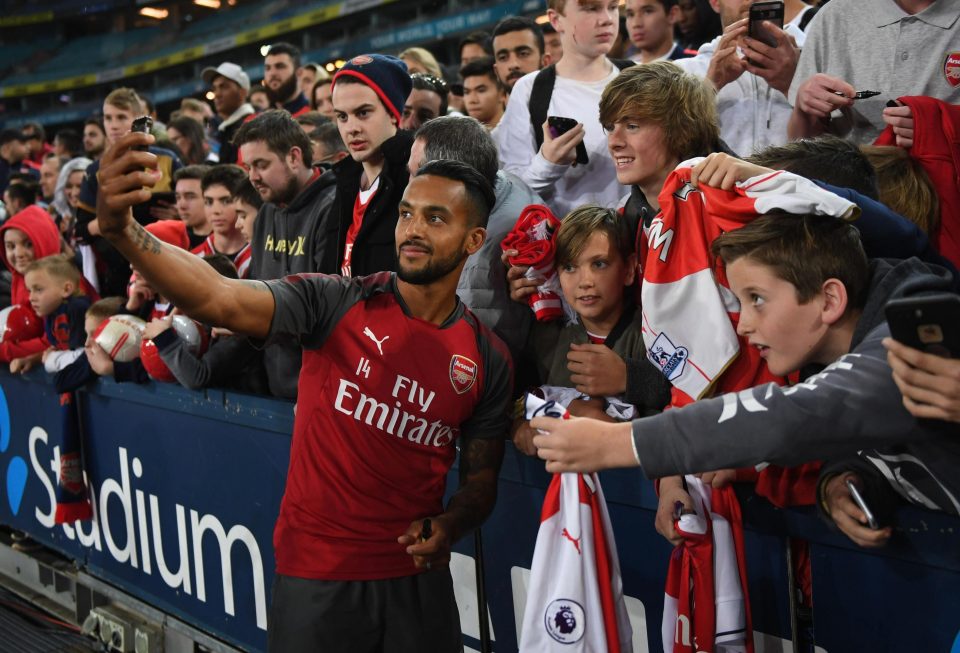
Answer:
x=936 y=145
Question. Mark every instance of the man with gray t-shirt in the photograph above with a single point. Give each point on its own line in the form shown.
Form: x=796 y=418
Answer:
x=897 y=47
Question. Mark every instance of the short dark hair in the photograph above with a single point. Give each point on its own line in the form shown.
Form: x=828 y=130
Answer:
x=328 y=135
x=427 y=82
x=804 y=250
x=460 y=138
x=71 y=140
x=311 y=120
x=482 y=67
x=227 y=175
x=519 y=24
x=95 y=120
x=222 y=264
x=196 y=171
x=480 y=38
x=279 y=131
x=36 y=129
x=479 y=191
x=246 y=193
x=285 y=48
x=826 y=158
x=26 y=192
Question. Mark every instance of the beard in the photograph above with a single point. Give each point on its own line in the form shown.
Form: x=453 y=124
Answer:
x=284 y=92
x=286 y=193
x=434 y=270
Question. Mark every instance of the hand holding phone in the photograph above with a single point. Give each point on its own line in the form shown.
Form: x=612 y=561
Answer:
x=558 y=126
x=862 y=504
x=143 y=124
x=928 y=323
x=771 y=12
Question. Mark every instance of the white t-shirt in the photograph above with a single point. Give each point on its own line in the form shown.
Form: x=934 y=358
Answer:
x=563 y=187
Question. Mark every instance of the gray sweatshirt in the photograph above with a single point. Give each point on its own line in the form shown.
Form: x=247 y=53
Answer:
x=851 y=407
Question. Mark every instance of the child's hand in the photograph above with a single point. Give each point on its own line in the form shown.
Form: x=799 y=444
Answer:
x=563 y=148
x=721 y=170
x=520 y=286
x=100 y=361
x=46 y=354
x=718 y=479
x=847 y=516
x=139 y=293
x=156 y=327
x=671 y=492
x=596 y=370
x=522 y=434
x=592 y=408
x=220 y=332
x=20 y=365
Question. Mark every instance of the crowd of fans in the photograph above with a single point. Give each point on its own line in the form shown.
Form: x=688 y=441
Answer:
x=304 y=172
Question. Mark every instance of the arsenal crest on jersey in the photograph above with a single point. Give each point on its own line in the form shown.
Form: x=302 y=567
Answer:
x=951 y=69
x=463 y=373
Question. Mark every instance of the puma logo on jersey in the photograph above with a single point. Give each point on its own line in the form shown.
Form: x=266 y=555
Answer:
x=575 y=540
x=378 y=342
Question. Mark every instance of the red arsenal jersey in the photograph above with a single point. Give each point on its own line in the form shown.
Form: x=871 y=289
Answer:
x=383 y=398
x=240 y=258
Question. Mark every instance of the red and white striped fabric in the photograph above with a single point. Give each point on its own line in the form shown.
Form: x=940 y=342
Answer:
x=532 y=237
x=690 y=318
x=690 y=314
x=575 y=601
x=705 y=601
x=241 y=260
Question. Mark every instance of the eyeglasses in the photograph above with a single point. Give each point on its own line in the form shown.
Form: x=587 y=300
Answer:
x=435 y=83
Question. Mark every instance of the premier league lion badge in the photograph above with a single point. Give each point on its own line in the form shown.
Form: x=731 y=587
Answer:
x=463 y=373
x=565 y=621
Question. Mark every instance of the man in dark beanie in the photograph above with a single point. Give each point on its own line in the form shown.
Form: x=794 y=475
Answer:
x=368 y=96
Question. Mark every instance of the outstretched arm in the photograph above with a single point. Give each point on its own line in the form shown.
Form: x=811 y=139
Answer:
x=192 y=285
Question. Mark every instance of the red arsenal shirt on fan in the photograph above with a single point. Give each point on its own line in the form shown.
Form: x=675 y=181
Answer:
x=383 y=397
x=240 y=258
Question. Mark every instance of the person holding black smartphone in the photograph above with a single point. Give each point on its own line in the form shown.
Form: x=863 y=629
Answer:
x=930 y=383
x=545 y=155
x=121 y=108
x=751 y=76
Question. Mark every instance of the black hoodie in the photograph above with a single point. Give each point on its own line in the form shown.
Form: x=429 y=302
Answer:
x=290 y=240
x=374 y=249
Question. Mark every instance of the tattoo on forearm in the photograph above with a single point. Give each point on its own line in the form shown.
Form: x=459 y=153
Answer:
x=480 y=461
x=144 y=239
x=481 y=454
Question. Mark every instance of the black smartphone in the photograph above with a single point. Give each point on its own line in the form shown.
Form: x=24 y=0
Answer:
x=862 y=504
x=765 y=11
x=559 y=125
x=930 y=323
x=142 y=124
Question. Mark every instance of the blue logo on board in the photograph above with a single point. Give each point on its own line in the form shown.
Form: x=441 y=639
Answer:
x=17 y=467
